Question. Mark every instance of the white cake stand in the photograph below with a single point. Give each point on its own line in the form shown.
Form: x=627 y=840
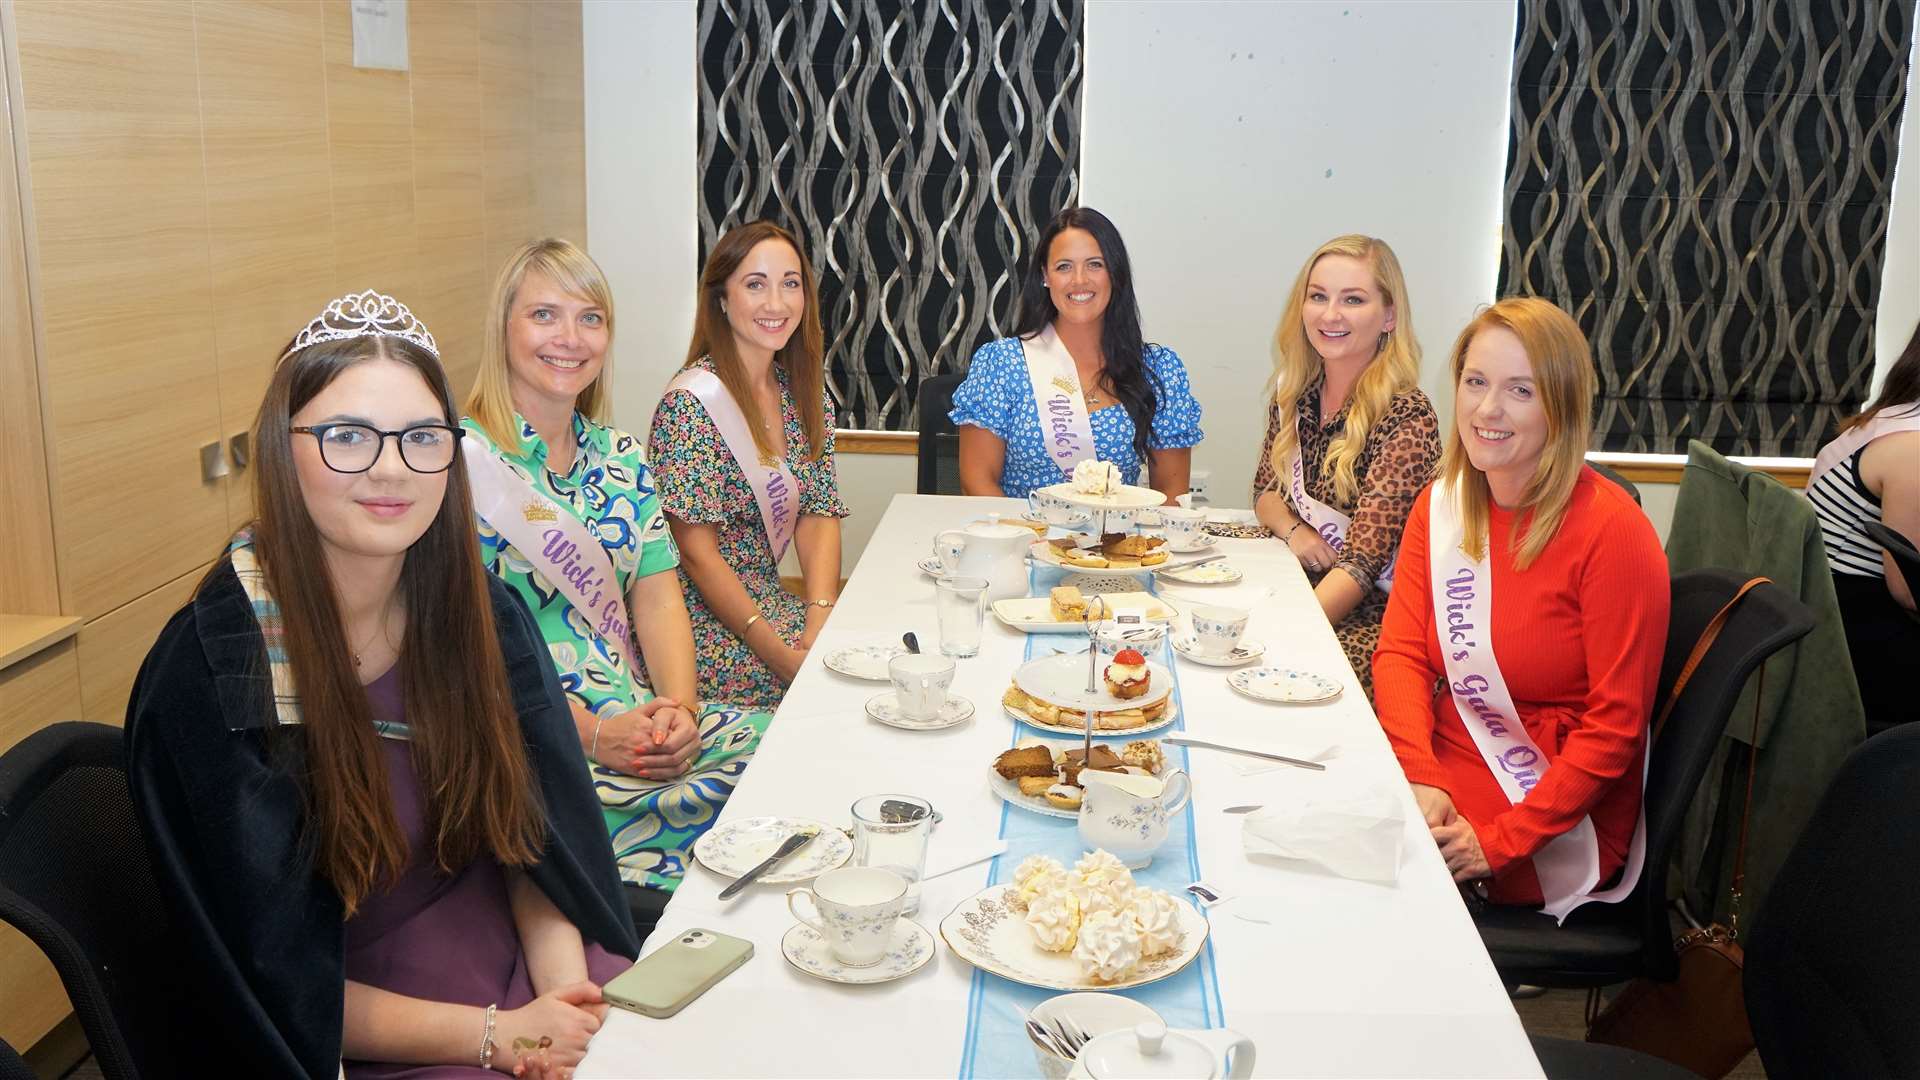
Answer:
x=1125 y=498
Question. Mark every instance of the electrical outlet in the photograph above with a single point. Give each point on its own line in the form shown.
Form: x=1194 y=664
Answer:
x=1197 y=482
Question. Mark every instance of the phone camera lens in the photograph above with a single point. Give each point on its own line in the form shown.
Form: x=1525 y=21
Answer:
x=686 y=941
x=697 y=933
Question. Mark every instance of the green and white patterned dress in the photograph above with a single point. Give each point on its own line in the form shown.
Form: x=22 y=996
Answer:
x=653 y=824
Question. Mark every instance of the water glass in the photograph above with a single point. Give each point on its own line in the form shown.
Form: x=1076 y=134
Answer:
x=960 y=603
x=890 y=832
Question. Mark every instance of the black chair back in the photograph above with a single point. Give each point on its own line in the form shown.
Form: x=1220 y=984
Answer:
x=1613 y=474
x=75 y=878
x=1905 y=556
x=1767 y=620
x=939 y=439
x=1833 y=960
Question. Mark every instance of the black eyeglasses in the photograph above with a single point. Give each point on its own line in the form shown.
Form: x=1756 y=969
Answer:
x=354 y=448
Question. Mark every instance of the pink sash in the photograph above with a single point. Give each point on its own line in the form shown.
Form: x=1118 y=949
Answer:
x=1569 y=865
x=1888 y=421
x=561 y=548
x=774 y=488
x=1331 y=524
x=1065 y=427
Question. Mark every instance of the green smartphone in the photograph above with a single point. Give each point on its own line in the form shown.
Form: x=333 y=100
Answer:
x=668 y=979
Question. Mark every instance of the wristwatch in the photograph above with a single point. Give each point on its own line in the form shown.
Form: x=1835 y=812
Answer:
x=820 y=603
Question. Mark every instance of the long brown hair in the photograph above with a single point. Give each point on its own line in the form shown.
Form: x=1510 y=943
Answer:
x=467 y=747
x=1901 y=388
x=490 y=402
x=1394 y=369
x=804 y=356
x=1563 y=377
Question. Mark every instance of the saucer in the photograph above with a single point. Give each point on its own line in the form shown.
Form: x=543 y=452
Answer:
x=907 y=952
x=886 y=709
x=864 y=661
x=931 y=567
x=1284 y=685
x=1213 y=573
x=1206 y=542
x=1186 y=646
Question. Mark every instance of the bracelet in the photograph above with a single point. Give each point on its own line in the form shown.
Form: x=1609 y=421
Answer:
x=486 y=1040
x=751 y=619
x=595 y=752
x=1288 y=538
x=820 y=603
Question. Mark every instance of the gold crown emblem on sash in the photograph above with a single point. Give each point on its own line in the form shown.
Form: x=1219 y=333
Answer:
x=1066 y=384
x=537 y=512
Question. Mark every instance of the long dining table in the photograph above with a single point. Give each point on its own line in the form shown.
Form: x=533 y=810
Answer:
x=1328 y=976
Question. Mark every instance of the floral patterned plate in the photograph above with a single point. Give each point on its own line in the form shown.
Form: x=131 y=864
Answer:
x=864 y=661
x=907 y=952
x=991 y=936
x=736 y=847
x=1284 y=685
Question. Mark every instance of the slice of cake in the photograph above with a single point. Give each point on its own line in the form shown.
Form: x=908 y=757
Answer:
x=1067 y=604
x=1102 y=758
x=1127 y=677
x=1133 y=546
x=1025 y=761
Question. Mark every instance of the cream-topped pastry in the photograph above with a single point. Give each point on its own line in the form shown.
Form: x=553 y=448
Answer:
x=1096 y=477
x=1156 y=920
x=1107 y=946
x=1054 y=919
x=1034 y=866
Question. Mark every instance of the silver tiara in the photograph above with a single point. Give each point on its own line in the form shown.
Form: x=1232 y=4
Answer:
x=366 y=314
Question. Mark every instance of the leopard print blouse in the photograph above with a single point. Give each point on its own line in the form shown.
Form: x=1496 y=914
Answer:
x=1401 y=456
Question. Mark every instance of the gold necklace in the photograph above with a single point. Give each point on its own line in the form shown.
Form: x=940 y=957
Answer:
x=380 y=631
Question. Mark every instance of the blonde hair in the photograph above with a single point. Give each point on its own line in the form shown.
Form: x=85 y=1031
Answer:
x=1394 y=369
x=490 y=402
x=803 y=356
x=1564 y=380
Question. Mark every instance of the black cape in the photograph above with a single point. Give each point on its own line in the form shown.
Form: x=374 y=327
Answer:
x=258 y=936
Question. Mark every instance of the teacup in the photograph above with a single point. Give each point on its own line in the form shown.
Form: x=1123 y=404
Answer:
x=947 y=548
x=920 y=683
x=1052 y=509
x=855 y=909
x=1217 y=630
x=1183 y=527
x=1110 y=637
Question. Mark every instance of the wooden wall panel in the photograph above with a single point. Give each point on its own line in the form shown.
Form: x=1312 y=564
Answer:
x=120 y=255
x=29 y=583
x=370 y=132
x=263 y=104
x=560 y=122
x=112 y=647
x=450 y=210
x=506 y=98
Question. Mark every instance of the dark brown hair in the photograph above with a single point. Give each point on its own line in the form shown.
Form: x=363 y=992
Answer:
x=804 y=356
x=1901 y=388
x=467 y=748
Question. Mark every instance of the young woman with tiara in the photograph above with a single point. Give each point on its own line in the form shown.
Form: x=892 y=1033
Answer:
x=356 y=770
x=568 y=517
x=1351 y=439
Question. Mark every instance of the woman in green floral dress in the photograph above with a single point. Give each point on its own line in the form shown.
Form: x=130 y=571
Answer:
x=548 y=472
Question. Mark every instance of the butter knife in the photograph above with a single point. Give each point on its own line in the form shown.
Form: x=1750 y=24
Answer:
x=1187 y=740
x=787 y=847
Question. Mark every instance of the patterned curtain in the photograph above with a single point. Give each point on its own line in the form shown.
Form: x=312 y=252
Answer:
x=916 y=148
x=1704 y=184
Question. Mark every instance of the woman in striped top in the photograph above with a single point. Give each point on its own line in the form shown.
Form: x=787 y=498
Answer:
x=1871 y=472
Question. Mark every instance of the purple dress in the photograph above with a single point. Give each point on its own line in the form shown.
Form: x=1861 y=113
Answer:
x=448 y=939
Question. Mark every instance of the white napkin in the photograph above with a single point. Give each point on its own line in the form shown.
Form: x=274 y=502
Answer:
x=945 y=858
x=1355 y=835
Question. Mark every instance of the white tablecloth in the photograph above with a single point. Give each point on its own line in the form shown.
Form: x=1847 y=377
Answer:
x=1343 y=978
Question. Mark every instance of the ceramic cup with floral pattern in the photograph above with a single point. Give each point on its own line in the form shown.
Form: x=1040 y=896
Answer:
x=855 y=909
x=1217 y=630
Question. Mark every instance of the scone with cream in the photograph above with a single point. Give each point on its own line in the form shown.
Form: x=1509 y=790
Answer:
x=1127 y=677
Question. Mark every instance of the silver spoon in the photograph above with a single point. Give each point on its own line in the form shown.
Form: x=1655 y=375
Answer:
x=912 y=643
x=1045 y=1038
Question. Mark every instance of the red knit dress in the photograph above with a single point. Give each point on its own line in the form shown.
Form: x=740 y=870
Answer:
x=1579 y=637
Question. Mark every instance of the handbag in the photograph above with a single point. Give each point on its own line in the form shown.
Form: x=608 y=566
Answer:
x=1699 y=1020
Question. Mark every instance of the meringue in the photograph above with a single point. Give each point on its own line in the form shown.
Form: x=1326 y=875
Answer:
x=1035 y=865
x=1096 y=477
x=1107 y=947
x=1054 y=918
x=1101 y=869
x=1156 y=921
x=1038 y=885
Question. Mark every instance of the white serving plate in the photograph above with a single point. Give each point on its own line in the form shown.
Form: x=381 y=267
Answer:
x=1124 y=497
x=735 y=847
x=1078 y=729
x=1045 y=554
x=1214 y=573
x=1061 y=679
x=1034 y=614
x=1284 y=685
x=867 y=662
x=1009 y=791
x=985 y=932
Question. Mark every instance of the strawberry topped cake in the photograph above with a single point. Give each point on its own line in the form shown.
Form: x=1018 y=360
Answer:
x=1127 y=676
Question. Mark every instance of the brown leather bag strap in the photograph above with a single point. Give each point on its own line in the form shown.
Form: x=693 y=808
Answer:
x=1699 y=653
x=1746 y=811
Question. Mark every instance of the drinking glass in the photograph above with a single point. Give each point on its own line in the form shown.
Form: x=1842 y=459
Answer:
x=890 y=832
x=960 y=603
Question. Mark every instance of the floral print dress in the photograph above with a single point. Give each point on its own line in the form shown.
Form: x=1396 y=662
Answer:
x=653 y=823
x=1399 y=458
x=700 y=483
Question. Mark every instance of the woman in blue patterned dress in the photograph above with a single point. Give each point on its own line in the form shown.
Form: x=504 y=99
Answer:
x=568 y=517
x=1132 y=395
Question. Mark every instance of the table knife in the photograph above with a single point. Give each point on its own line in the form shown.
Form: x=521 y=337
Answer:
x=787 y=847
x=1188 y=740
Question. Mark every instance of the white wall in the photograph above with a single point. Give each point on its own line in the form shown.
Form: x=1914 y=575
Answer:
x=641 y=187
x=1228 y=140
x=1900 y=278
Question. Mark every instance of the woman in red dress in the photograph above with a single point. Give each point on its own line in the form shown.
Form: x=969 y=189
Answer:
x=1552 y=612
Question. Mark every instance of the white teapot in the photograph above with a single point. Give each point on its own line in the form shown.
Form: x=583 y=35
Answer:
x=987 y=550
x=1148 y=1051
x=1127 y=814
